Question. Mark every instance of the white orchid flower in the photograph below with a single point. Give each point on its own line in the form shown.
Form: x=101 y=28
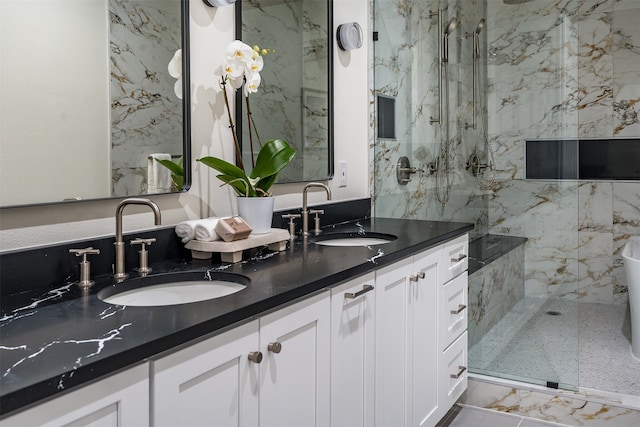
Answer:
x=252 y=83
x=239 y=51
x=175 y=71
x=256 y=63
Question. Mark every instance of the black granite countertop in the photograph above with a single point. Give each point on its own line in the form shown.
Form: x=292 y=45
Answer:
x=55 y=339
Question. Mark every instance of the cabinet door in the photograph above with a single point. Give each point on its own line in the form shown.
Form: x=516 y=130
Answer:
x=352 y=353
x=120 y=400
x=213 y=380
x=391 y=335
x=422 y=347
x=295 y=375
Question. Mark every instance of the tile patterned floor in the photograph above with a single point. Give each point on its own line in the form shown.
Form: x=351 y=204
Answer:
x=468 y=416
x=579 y=345
x=542 y=406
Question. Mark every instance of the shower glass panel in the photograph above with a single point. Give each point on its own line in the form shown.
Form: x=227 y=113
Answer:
x=523 y=318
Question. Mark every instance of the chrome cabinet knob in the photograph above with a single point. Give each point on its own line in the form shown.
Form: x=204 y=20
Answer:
x=255 y=356
x=416 y=277
x=274 y=347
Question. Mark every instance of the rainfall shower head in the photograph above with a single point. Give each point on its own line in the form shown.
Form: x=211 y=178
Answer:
x=453 y=24
x=515 y=1
x=480 y=26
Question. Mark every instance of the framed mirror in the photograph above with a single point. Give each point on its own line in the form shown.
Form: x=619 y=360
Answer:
x=87 y=100
x=295 y=96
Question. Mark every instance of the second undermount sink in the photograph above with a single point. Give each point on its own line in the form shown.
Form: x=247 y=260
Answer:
x=173 y=289
x=353 y=239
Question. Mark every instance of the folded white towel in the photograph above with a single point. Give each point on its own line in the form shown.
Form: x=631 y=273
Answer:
x=187 y=229
x=204 y=230
x=158 y=176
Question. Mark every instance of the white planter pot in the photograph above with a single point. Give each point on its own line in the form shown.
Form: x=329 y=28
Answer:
x=257 y=212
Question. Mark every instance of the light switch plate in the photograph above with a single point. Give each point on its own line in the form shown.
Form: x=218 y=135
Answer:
x=342 y=174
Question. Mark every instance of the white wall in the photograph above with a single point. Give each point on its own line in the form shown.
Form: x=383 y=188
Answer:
x=211 y=30
x=38 y=91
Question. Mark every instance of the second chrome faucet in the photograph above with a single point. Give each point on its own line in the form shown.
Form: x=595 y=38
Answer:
x=305 y=211
x=119 y=270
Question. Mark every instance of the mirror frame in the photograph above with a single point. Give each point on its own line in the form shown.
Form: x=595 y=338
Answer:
x=330 y=124
x=186 y=123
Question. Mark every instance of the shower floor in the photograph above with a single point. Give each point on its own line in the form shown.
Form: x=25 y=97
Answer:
x=578 y=345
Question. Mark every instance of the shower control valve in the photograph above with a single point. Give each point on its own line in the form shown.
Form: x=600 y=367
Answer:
x=404 y=170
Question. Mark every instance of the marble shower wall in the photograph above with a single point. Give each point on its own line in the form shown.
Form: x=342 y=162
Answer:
x=406 y=68
x=564 y=69
x=294 y=29
x=143 y=37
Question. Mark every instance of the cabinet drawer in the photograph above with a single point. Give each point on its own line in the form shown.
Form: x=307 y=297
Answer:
x=455 y=310
x=456 y=257
x=454 y=371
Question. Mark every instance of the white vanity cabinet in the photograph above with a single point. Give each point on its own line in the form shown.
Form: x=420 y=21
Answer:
x=406 y=355
x=294 y=374
x=273 y=371
x=352 y=352
x=214 y=380
x=452 y=340
x=119 y=400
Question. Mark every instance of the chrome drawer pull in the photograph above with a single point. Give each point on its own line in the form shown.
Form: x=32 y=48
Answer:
x=459 y=310
x=365 y=289
x=460 y=372
x=460 y=258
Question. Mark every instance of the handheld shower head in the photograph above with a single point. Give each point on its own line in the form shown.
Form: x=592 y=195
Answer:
x=453 y=24
x=480 y=26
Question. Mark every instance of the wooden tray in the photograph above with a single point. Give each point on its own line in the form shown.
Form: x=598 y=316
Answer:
x=232 y=251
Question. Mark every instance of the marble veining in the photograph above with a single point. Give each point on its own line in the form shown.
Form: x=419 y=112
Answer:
x=143 y=37
x=564 y=408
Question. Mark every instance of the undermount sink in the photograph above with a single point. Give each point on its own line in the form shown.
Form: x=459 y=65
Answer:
x=353 y=239
x=173 y=289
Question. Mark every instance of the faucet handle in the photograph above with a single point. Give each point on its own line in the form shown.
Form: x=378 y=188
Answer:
x=143 y=242
x=292 y=224
x=85 y=266
x=144 y=254
x=316 y=219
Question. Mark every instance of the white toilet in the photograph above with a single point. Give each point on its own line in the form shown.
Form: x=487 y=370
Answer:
x=631 y=256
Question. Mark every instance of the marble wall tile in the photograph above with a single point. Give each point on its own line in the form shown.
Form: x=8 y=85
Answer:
x=626 y=208
x=144 y=107
x=493 y=291
x=595 y=206
x=595 y=268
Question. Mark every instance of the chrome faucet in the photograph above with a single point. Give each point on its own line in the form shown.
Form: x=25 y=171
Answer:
x=305 y=211
x=119 y=273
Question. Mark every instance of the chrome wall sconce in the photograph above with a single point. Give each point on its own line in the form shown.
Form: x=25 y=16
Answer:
x=218 y=3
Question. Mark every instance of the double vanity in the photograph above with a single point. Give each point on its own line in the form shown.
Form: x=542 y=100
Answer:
x=322 y=333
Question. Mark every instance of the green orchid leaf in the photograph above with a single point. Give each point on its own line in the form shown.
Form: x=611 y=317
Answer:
x=274 y=155
x=175 y=168
x=265 y=183
x=239 y=185
x=223 y=167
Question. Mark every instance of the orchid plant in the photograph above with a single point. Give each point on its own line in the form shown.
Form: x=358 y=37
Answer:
x=241 y=69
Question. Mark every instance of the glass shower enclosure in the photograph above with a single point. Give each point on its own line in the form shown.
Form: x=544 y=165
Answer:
x=484 y=96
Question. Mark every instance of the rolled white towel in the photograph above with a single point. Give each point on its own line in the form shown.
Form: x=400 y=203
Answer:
x=204 y=230
x=187 y=229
